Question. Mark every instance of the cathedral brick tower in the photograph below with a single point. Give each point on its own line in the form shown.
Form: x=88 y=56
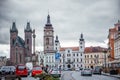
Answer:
x=28 y=42
x=48 y=37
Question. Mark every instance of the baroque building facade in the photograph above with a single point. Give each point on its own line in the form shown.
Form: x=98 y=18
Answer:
x=20 y=50
x=95 y=56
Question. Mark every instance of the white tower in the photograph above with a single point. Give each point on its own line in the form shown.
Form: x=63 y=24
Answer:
x=57 y=44
x=81 y=50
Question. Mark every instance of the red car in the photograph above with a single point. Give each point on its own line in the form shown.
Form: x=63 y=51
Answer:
x=21 y=70
x=36 y=70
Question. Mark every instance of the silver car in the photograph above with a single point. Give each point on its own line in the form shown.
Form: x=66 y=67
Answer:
x=86 y=72
x=7 y=70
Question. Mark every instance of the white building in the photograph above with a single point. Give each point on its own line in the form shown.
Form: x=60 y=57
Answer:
x=71 y=57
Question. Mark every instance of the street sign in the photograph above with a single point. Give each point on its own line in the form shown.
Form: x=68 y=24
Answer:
x=57 y=56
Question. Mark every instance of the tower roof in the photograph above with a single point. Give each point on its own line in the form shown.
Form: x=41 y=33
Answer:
x=56 y=39
x=81 y=37
x=28 y=28
x=14 y=29
x=48 y=21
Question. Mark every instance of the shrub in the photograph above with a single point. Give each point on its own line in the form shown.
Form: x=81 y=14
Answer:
x=46 y=76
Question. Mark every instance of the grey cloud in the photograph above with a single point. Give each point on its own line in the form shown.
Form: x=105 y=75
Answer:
x=69 y=17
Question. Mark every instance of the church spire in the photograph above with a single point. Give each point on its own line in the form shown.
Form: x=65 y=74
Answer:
x=56 y=39
x=81 y=37
x=48 y=21
x=14 y=29
x=28 y=29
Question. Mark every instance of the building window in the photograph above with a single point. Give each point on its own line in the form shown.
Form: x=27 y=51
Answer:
x=81 y=43
x=81 y=54
x=91 y=56
x=91 y=62
x=81 y=60
x=56 y=44
x=74 y=65
x=47 y=41
x=77 y=60
x=77 y=54
x=68 y=51
x=27 y=41
x=88 y=56
x=13 y=41
x=94 y=56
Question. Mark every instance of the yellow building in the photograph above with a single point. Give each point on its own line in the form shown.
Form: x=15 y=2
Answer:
x=95 y=56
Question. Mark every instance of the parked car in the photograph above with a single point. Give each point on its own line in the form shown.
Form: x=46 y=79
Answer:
x=36 y=70
x=55 y=72
x=97 y=70
x=21 y=70
x=7 y=70
x=86 y=72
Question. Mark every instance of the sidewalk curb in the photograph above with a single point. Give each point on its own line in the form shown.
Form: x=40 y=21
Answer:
x=116 y=76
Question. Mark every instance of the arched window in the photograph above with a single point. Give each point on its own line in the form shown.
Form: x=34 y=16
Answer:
x=13 y=41
x=47 y=41
x=27 y=41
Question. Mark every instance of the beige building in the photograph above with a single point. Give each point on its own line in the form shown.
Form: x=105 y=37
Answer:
x=95 y=56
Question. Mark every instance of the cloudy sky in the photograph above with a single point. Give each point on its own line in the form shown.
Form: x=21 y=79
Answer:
x=69 y=18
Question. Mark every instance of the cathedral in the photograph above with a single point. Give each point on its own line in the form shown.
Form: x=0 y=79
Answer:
x=20 y=49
